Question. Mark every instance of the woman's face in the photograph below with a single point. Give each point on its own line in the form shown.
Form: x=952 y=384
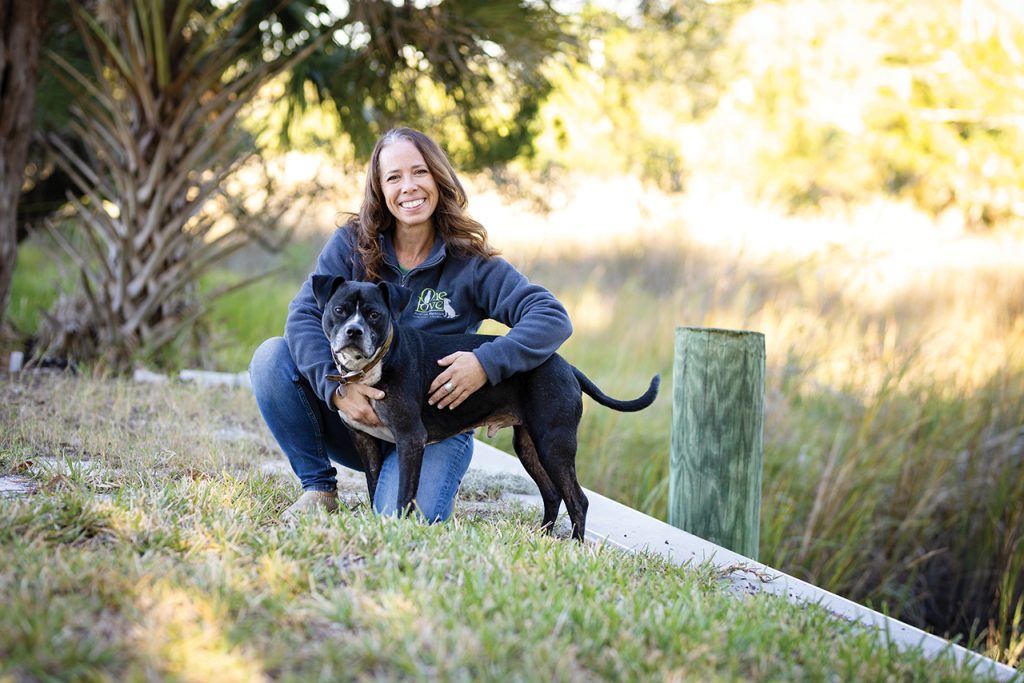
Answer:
x=409 y=188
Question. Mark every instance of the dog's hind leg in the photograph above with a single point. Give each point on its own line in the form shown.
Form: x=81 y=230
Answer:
x=557 y=451
x=527 y=453
x=575 y=502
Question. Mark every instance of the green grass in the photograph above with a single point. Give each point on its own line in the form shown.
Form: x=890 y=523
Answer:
x=152 y=549
x=240 y=321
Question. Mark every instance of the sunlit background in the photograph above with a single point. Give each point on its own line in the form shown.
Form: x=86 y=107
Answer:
x=845 y=177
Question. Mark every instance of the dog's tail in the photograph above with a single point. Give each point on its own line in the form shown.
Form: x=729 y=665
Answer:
x=591 y=390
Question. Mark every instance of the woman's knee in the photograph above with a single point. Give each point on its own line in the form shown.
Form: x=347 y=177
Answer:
x=271 y=364
x=444 y=467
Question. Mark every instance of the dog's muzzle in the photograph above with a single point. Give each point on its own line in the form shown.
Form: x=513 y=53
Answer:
x=351 y=347
x=354 y=366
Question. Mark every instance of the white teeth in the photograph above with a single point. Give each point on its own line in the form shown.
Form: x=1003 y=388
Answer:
x=412 y=204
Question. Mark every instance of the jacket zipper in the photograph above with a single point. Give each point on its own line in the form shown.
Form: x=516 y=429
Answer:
x=403 y=278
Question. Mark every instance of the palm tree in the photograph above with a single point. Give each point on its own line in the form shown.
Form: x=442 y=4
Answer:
x=156 y=122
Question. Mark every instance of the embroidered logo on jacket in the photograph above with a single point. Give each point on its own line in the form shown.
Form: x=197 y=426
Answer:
x=435 y=304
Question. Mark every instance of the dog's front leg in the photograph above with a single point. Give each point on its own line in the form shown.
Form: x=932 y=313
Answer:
x=410 y=460
x=369 y=451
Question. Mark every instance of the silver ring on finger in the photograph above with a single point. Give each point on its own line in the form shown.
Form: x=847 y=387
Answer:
x=449 y=387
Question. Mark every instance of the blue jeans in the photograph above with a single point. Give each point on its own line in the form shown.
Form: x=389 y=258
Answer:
x=312 y=435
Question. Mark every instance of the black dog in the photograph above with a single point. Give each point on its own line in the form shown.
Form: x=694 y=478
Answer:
x=543 y=405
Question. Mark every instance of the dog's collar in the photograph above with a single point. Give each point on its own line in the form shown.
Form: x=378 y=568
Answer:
x=358 y=375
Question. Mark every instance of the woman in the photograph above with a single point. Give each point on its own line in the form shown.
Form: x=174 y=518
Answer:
x=411 y=230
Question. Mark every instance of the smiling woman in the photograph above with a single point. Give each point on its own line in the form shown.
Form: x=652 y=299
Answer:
x=412 y=230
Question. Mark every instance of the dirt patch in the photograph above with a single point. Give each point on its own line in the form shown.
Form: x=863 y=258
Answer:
x=484 y=486
x=13 y=485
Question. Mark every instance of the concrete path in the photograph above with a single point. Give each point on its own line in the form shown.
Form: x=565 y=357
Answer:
x=625 y=528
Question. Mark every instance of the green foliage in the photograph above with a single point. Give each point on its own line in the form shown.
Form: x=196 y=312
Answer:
x=912 y=502
x=908 y=99
x=236 y=324
x=646 y=77
x=468 y=71
x=954 y=139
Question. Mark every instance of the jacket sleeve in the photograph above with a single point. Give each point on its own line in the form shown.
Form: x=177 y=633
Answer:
x=538 y=323
x=303 y=329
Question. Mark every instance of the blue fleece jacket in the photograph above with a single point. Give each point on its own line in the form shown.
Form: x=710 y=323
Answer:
x=451 y=294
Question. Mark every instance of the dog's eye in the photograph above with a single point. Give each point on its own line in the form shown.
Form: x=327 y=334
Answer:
x=374 y=316
x=338 y=310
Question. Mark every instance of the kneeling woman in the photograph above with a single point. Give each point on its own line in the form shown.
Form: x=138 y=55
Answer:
x=411 y=230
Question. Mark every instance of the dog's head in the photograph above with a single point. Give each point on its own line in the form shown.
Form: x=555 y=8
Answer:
x=357 y=317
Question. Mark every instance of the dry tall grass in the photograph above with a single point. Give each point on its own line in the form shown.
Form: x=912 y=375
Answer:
x=894 y=431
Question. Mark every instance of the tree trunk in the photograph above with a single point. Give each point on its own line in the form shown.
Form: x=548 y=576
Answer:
x=21 y=32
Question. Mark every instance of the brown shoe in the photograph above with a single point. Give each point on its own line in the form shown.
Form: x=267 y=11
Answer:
x=310 y=501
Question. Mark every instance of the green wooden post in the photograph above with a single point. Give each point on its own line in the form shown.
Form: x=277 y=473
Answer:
x=717 y=429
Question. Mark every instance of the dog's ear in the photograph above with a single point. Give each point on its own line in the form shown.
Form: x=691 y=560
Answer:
x=324 y=286
x=397 y=297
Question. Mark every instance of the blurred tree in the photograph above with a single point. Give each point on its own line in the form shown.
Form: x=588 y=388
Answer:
x=918 y=101
x=953 y=137
x=649 y=74
x=470 y=69
x=44 y=185
x=21 y=28
x=156 y=120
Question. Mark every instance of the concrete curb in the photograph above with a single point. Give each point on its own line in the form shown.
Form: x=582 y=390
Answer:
x=623 y=527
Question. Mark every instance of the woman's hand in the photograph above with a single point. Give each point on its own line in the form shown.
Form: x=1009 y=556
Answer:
x=463 y=375
x=356 y=403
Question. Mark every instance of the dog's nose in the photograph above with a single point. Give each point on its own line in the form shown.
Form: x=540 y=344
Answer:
x=353 y=332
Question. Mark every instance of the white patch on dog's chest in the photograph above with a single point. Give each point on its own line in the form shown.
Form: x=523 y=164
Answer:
x=373 y=376
x=380 y=432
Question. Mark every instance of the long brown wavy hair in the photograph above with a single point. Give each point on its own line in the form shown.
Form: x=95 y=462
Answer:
x=460 y=233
